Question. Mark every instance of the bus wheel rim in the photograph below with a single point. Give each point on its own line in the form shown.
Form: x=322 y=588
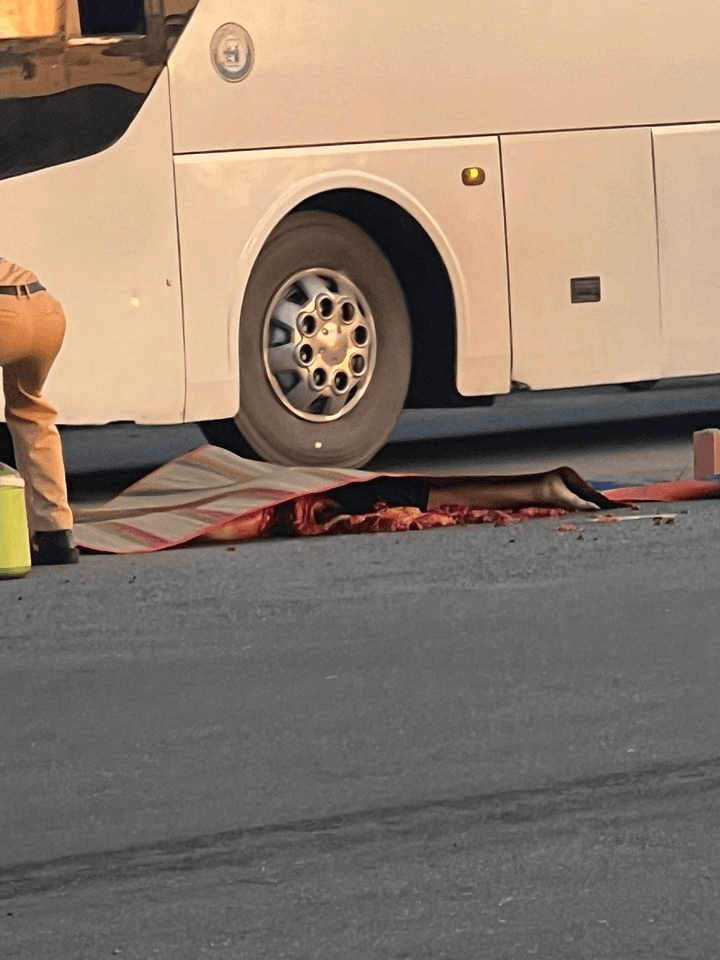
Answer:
x=319 y=344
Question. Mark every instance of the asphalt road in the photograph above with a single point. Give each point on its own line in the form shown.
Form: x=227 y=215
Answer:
x=461 y=743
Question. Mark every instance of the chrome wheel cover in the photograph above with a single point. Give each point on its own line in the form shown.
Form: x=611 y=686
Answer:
x=319 y=344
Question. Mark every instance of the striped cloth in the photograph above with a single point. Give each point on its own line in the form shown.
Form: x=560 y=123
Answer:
x=197 y=495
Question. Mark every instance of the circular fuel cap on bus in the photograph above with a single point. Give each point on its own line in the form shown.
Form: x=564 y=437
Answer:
x=232 y=53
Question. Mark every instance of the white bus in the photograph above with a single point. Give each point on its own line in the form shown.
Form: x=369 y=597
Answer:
x=288 y=218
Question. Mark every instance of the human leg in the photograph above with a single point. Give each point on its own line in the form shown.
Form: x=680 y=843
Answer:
x=561 y=487
x=36 y=328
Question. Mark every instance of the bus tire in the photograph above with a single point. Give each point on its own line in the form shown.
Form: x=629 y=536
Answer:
x=325 y=348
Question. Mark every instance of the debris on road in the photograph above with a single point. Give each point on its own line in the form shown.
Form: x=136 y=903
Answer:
x=657 y=518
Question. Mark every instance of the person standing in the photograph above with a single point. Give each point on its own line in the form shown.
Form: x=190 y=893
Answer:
x=32 y=329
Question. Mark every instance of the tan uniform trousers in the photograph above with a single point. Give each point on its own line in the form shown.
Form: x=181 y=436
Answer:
x=32 y=327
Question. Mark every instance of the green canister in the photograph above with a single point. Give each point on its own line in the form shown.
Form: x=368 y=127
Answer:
x=14 y=537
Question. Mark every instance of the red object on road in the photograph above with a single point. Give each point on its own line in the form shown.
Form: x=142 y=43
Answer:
x=667 y=492
x=706 y=454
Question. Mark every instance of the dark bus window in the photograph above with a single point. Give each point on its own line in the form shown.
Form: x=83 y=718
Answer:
x=103 y=18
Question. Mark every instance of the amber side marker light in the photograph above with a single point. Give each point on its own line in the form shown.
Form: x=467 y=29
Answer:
x=473 y=176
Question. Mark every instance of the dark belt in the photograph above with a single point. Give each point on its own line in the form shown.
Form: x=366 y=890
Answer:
x=17 y=290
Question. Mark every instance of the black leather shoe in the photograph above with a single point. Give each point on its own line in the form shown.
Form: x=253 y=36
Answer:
x=54 y=546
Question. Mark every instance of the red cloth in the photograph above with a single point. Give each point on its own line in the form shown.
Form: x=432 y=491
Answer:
x=673 y=490
x=313 y=515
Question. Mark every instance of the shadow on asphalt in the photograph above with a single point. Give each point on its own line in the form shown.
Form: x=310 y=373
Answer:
x=103 y=483
x=553 y=439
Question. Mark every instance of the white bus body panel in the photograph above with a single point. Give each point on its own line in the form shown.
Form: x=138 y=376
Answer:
x=330 y=72
x=228 y=204
x=582 y=204
x=687 y=165
x=101 y=233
